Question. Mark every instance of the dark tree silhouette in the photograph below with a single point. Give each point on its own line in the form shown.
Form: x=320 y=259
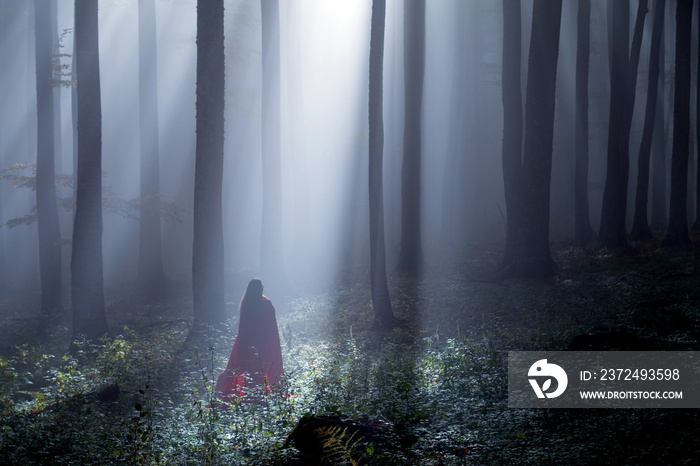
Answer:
x=381 y=301
x=696 y=224
x=410 y=259
x=208 y=244
x=46 y=206
x=74 y=123
x=623 y=80
x=640 y=224
x=271 y=262
x=659 y=218
x=151 y=278
x=583 y=232
x=5 y=54
x=56 y=51
x=677 y=233
x=532 y=255
x=86 y=262
x=512 y=124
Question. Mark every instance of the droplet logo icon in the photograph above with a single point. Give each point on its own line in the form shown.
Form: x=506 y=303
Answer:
x=543 y=370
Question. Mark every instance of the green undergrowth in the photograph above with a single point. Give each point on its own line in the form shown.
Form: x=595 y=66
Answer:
x=435 y=386
x=53 y=406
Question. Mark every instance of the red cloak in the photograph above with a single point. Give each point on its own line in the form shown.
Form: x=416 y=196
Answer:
x=256 y=356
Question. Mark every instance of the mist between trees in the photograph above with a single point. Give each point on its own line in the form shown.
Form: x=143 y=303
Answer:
x=502 y=123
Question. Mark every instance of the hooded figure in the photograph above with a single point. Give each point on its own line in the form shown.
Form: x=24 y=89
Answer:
x=256 y=357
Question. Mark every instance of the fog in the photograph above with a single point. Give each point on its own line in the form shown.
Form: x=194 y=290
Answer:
x=324 y=133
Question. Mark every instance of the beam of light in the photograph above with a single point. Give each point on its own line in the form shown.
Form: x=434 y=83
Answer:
x=176 y=31
x=118 y=31
x=326 y=49
x=176 y=49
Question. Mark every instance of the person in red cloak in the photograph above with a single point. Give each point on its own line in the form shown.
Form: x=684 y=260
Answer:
x=256 y=357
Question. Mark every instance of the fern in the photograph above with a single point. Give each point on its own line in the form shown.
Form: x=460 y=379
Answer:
x=336 y=445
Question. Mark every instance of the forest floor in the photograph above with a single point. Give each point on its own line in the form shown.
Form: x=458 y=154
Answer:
x=431 y=391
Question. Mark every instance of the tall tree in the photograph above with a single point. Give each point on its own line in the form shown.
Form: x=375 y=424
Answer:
x=271 y=234
x=86 y=261
x=677 y=233
x=583 y=232
x=640 y=224
x=659 y=217
x=74 y=122
x=46 y=206
x=5 y=54
x=623 y=80
x=532 y=255
x=381 y=301
x=411 y=253
x=208 y=244
x=512 y=124
x=696 y=225
x=56 y=48
x=151 y=278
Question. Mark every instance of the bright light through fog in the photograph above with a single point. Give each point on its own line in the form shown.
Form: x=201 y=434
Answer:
x=324 y=132
x=323 y=126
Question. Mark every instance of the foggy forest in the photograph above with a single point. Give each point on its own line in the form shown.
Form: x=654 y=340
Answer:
x=422 y=189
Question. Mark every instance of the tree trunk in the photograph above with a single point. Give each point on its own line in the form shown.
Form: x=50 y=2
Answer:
x=696 y=225
x=583 y=232
x=56 y=51
x=74 y=127
x=532 y=256
x=271 y=259
x=659 y=219
x=5 y=56
x=677 y=233
x=86 y=261
x=46 y=207
x=410 y=260
x=151 y=278
x=640 y=225
x=512 y=125
x=613 y=232
x=381 y=301
x=208 y=244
